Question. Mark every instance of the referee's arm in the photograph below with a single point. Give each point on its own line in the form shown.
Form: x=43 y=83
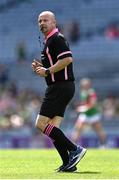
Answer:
x=60 y=64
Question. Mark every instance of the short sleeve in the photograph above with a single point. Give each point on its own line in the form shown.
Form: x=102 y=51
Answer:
x=61 y=47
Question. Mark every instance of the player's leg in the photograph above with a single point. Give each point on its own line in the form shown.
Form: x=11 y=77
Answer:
x=79 y=125
x=77 y=130
x=97 y=126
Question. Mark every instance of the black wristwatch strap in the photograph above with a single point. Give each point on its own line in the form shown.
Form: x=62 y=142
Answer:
x=47 y=72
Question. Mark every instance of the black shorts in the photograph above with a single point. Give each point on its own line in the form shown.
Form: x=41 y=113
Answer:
x=57 y=97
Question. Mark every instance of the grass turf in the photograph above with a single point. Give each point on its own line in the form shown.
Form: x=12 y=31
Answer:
x=40 y=164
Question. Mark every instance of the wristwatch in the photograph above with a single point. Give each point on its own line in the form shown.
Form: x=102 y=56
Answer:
x=47 y=72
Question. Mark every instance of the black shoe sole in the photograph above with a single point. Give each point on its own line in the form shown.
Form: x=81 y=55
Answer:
x=73 y=169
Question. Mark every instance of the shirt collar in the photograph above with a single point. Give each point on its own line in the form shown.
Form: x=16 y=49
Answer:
x=51 y=33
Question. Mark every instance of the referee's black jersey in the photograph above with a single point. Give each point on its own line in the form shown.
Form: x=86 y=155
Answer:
x=56 y=48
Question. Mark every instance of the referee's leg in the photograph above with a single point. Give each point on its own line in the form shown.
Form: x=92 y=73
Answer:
x=41 y=123
x=58 y=137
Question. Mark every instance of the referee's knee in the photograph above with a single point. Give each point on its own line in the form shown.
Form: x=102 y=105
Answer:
x=41 y=123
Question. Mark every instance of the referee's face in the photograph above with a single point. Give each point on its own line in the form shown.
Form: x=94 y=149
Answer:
x=46 y=23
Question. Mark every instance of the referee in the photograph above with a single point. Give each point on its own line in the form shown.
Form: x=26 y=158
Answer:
x=56 y=67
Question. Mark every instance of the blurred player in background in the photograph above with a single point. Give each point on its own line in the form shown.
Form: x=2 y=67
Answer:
x=56 y=68
x=88 y=112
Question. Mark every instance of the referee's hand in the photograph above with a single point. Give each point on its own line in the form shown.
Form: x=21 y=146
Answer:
x=36 y=64
x=41 y=71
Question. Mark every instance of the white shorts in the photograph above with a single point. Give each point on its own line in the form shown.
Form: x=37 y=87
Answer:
x=89 y=119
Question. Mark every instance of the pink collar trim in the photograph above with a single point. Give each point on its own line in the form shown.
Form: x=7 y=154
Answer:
x=51 y=33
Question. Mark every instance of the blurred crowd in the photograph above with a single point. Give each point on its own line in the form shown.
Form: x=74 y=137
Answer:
x=18 y=110
x=73 y=31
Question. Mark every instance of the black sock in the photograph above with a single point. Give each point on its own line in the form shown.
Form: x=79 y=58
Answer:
x=62 y=152
x=57 y=135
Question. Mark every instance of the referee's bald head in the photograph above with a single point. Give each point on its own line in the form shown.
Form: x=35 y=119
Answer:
x=49 y=13
x=46 y=21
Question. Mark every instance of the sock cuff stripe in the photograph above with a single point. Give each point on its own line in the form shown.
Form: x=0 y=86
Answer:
x=48 y=129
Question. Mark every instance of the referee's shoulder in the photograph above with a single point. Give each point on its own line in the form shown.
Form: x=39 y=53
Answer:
x=58 y=36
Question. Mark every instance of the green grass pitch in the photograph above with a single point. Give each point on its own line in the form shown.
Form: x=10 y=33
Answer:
x=40 y=164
